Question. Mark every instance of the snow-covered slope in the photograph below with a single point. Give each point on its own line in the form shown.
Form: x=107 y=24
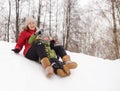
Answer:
x=93 y=74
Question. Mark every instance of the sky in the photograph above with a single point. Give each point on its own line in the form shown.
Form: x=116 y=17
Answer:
x=18 y=73
x=84 y=2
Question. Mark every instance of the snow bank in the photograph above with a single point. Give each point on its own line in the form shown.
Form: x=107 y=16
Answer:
x=20 y=74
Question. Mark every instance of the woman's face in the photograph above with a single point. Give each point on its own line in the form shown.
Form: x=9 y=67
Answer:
x=31 y=26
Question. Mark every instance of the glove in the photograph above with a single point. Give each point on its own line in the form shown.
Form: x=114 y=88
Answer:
x=39 y=32
x=16 y=50
x=52 y=42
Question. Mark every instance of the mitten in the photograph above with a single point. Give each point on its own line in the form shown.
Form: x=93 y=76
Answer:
x=39 y=32
x=52 y=42
x=16 y=50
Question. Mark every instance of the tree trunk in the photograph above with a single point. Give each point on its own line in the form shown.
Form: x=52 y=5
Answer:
x=56 y=18
x=17 y=19
x=64 y=22
x=44 y=17
x=68 y=23
x=115 y=31
x=9 y=20
x=50 y=19
x=39 y=12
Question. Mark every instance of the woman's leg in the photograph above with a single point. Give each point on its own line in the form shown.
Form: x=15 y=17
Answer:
x=37 y=53
x=60 y=51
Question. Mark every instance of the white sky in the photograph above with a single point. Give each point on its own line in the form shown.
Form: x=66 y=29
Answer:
x=85 y=2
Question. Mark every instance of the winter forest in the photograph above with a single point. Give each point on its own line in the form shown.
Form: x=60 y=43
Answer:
x=91 y=28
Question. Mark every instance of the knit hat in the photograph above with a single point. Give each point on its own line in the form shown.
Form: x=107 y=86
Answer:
x=28 y=19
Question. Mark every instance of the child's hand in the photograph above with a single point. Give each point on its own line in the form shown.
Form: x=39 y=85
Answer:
x=46 y=38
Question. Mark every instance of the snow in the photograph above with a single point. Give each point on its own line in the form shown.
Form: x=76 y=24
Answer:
x=17 y=73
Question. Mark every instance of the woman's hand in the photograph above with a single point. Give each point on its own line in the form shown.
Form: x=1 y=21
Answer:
x=16 y=50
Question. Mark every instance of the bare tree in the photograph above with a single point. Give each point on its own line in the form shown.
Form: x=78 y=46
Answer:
x=17 y=18
x=67 y=21
x=34 y=11
x=45 y=16
x=50 y=18
x=63 y=24
x=39 y=13
x=56 y=17
x=115 y=29
x=118 y=9
x=9 y=20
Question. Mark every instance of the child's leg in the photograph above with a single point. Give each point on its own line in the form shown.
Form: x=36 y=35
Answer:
x=47 y=66
x=37 y=52
x=59 y=68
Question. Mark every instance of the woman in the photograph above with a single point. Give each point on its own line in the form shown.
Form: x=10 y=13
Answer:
x=37 y=51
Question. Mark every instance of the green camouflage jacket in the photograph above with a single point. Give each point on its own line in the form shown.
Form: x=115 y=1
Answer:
x=50 y=52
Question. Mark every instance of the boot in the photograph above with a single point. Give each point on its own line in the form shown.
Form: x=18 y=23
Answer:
x=66 y=70
x=47 y=66
x=70 y=64
x=49 y=71
x=61 y=73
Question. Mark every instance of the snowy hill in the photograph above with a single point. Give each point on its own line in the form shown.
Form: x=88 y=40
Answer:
x=93 y=74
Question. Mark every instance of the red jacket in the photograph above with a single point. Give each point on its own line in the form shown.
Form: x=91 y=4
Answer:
x=23 y=40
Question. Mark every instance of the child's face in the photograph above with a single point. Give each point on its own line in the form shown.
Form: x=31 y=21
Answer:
x=31 y=26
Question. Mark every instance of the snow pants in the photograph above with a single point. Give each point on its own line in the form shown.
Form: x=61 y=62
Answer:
x=37 y=51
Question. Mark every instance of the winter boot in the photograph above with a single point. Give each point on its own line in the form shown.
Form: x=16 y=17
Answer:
x=66 y=70
x=61 y=73
x=70 y=64
x=47 y=65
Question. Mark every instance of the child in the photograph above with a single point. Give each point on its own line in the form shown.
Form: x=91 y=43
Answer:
x=59 y=67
